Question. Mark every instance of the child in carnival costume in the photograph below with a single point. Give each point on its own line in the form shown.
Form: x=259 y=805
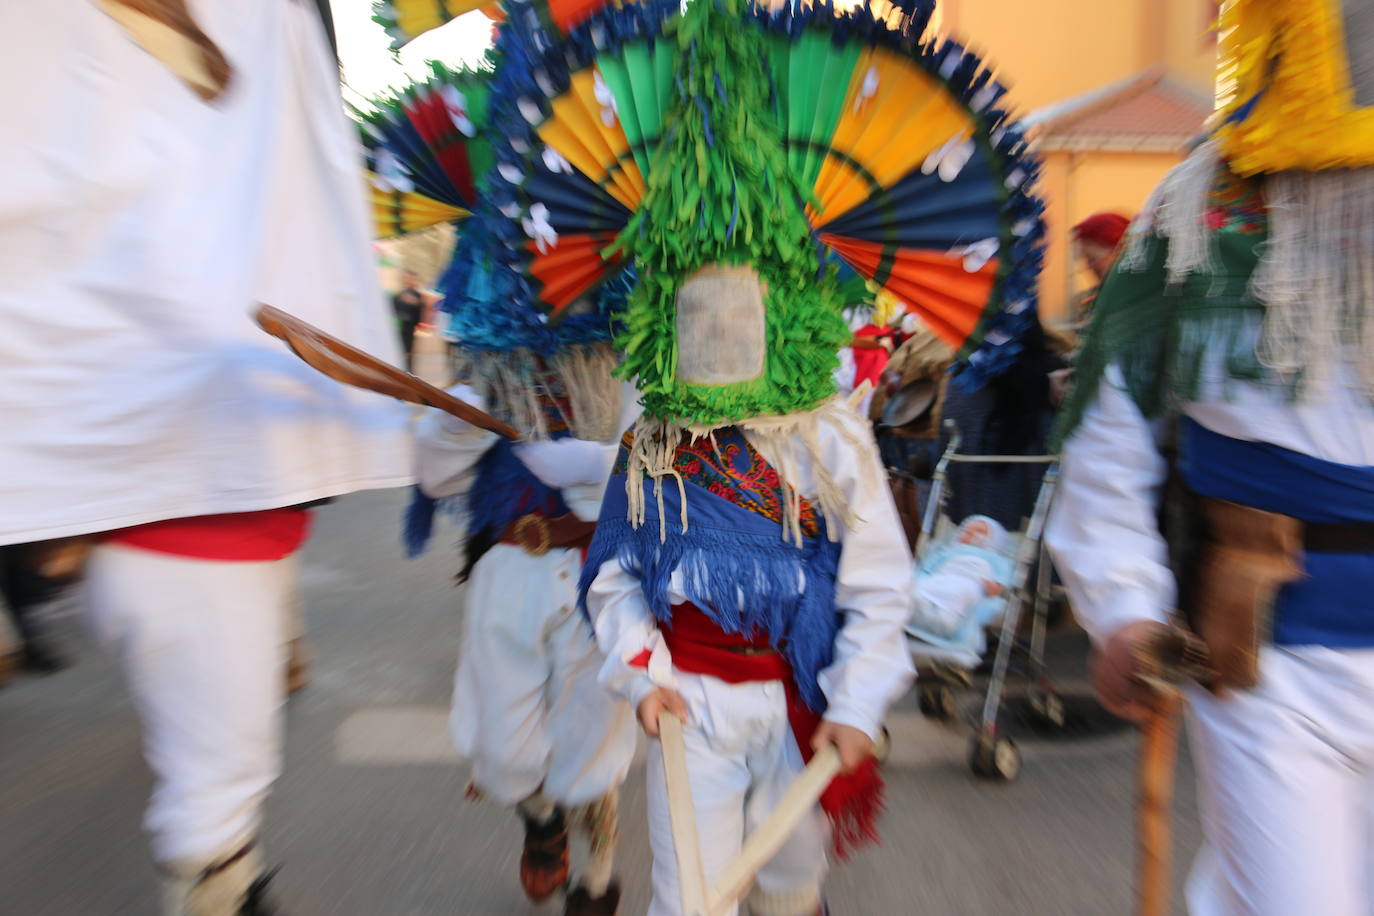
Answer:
x=1233 y=335
x=528 y=714
x=538 y=731
x=748 y=571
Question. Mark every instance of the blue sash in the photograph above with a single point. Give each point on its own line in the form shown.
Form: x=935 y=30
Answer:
x=1332 y=606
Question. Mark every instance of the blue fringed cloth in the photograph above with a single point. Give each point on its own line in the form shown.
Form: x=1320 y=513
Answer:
x=733 y=561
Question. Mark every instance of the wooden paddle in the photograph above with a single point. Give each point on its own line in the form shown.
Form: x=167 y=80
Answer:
x=348 y=364
x=759 y=847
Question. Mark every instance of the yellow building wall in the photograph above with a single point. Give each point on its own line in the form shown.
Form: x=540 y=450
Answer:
x=1189 y=49
x=1075 y=186
x=1049 y=50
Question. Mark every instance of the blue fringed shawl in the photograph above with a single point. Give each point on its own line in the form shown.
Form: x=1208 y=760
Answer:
x=735 y=566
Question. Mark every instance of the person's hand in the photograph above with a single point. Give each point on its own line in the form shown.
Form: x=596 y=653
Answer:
x=1059 y=385
x=854 y=746
x=992 y=589
x=662 y=698
x=1115 y=673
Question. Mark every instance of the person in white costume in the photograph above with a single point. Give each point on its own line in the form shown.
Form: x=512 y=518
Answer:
x=742 y=749
x=147 y=209
x=1226 y=375
x=528 y=714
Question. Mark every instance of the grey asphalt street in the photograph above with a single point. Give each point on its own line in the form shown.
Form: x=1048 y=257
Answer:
x=369 y=818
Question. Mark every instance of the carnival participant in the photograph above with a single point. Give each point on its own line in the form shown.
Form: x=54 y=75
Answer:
x=748 y=571
x=176 y=171
x=1230 y=355
x=540 y=733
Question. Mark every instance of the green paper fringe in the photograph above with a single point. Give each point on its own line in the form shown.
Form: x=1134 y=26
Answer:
x=736 y=201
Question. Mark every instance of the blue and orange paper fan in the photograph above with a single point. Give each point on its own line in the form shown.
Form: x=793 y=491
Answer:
x=920 y=180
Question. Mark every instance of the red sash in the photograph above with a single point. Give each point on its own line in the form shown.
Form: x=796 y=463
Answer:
x=698 y=646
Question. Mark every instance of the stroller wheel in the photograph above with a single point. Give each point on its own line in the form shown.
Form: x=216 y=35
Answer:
x=936 y=701
x=991 y=757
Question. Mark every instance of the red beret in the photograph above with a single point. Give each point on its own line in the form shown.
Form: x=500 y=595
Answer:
x=1103 y=228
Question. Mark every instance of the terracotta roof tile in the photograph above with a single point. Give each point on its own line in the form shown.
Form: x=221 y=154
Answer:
x=1149 y=110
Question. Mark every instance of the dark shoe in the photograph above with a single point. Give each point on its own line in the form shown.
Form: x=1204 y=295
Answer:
x=256 y=903
x=581 y=903
x=544 y=862
x=41 y=658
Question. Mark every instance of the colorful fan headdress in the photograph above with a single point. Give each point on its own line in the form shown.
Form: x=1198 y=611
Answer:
x=648 y=137
x=427 y=149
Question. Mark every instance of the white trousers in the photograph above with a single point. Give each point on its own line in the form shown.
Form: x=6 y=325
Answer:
x=528 y=712
x=1286 y=783
x=202 y=645
x=741 y=758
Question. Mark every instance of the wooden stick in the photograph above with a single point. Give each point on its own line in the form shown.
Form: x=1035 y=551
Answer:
x=759 y=847
x=763 y=843
x=690 y=875
x=346 y=363
x=1158 y=750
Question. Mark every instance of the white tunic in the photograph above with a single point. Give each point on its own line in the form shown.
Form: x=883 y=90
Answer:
x=139 y=228
x=872 y=666
x=528 y=712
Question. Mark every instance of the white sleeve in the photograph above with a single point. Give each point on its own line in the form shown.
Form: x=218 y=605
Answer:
x=561 y=463
x=872 y=665
x=1103 y=531
x=447 y=448
x=625 y=630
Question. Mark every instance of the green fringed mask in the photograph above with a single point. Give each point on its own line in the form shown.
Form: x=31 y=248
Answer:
x=720 y=237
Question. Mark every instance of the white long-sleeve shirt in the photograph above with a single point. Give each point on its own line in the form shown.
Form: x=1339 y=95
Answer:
x=447 y=450
x=1103 y=532
x=872 y=666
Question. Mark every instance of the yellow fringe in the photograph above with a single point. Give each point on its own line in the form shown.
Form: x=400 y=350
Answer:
x=1306 y=119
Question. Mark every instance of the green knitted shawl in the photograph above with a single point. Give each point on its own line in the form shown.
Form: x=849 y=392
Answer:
x=1165 y=336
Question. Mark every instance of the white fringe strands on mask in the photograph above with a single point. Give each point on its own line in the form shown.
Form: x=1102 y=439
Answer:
x=511 y=382
x=1316 y=275
x=1176 y=210
x=783 y=440
x=593 y=395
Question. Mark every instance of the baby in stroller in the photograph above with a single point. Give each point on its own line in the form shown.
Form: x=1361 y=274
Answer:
x=955 y=581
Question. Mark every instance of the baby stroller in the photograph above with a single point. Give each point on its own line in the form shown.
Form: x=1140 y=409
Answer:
x=946 y=659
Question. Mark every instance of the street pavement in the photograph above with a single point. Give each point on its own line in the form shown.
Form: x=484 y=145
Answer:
x=370 y=820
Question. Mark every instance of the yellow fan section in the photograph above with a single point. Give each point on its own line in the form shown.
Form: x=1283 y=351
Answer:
x=415 y=17
x=398 y=212
x=578 y=130
x=895 y=115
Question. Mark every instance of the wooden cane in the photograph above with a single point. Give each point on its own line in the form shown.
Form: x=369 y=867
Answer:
x=1166 y=660
x=759 y=847
x=345 y=363
x=1155 y=803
